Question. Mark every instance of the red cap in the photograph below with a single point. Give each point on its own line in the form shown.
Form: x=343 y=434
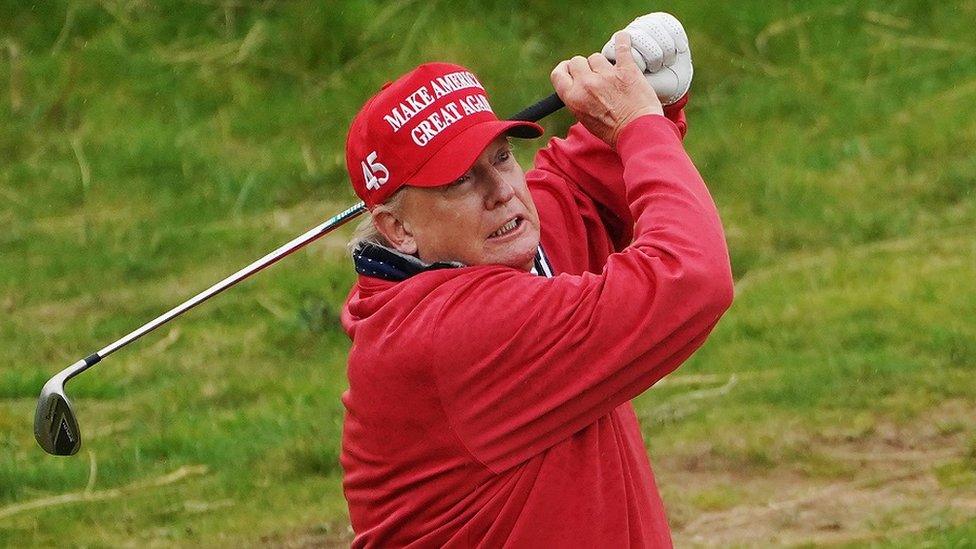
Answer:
x=425 y=129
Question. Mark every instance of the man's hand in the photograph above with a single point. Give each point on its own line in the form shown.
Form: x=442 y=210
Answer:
x=660 y=49
x=604 y=97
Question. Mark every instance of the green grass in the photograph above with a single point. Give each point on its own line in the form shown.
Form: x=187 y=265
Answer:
x=147 y=149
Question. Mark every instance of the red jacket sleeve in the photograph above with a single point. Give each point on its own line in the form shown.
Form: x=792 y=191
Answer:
x=522 y=362
x=596 y=173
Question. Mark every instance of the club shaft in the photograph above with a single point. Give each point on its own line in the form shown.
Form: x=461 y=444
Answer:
x=269 y=259
x=534 y=112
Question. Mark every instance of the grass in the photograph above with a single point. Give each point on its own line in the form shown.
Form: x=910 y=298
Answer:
x=147 y=149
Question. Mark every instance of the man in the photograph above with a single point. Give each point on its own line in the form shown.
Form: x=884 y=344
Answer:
x=487 y=405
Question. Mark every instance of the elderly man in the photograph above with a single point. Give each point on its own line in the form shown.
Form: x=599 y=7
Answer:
x=489 y=405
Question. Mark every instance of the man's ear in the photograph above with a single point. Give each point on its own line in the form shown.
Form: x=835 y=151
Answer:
x=395 y=231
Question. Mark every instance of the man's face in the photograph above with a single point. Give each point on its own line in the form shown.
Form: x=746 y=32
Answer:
x=486 y=217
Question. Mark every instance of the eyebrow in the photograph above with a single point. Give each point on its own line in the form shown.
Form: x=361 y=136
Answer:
x=507 y=143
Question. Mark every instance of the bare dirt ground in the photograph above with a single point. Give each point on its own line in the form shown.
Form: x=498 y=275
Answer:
x=896 y=481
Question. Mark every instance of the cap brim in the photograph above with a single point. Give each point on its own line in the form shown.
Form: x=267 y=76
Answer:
x=457 y=156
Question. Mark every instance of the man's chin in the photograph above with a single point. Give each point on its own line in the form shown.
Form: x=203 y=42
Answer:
x=517 y=254
x=523 y=258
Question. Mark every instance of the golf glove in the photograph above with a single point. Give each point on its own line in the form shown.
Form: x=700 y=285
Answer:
x=660 y=49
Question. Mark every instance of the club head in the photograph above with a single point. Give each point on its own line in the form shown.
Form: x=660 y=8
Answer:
x=55 y=426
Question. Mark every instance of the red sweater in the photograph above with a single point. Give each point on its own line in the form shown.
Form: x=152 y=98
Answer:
x=490 y=407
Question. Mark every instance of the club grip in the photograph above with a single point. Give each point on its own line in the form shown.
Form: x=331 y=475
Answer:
x=540 y=109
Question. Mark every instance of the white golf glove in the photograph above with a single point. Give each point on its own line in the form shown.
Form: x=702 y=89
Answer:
x=660 y=49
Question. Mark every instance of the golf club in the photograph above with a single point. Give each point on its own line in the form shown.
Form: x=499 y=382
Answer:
x=55 y=425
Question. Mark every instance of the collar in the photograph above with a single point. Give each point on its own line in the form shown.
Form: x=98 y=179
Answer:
x=388 y=264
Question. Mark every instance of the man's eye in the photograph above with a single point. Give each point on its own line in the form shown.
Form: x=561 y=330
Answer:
x=463 y=179
x=504 y=155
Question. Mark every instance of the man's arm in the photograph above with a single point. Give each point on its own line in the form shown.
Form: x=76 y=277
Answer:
x=523 y=362
x=592 y=172
x=585 y=165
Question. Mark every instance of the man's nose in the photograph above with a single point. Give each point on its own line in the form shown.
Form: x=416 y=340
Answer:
x=500 y=190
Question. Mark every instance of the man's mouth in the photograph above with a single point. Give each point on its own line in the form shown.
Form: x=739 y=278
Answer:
x=508 y=227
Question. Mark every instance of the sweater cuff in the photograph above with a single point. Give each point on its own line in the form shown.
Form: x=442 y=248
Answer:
x=650 y=129
x=673 y=109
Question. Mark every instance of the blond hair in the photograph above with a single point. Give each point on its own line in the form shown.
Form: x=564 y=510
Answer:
x=366 y=231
